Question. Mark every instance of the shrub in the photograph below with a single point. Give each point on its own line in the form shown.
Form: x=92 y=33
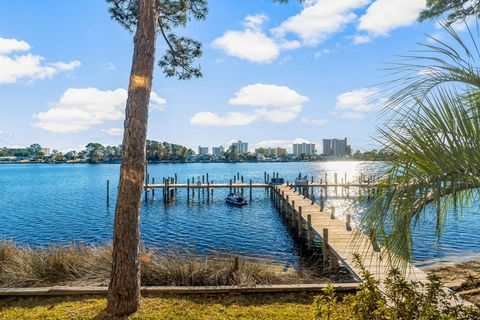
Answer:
x=397 y=299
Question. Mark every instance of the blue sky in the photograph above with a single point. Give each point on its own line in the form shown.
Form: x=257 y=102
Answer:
x=273 y=73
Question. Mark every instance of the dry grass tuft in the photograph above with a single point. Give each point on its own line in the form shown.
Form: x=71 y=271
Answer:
x=84 y=265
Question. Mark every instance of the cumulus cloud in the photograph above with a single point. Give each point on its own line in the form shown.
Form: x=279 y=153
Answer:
x=251 y=44
x=27 y=66
x=319 y=20
x=384 y=16
x=230 y=119
x=272 y=103
x=263 y=95
x=357 y=103
x=12 y=45
x=79 y=109
x=115 y=132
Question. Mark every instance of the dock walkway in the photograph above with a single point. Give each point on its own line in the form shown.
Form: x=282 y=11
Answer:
x=339 y=240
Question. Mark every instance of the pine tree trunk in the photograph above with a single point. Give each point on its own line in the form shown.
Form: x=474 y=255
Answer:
x=124 y=288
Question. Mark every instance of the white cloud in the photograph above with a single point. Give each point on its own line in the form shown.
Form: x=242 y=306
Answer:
x=357 y=103
x=251 y=44
x=361 y=39
x=231 y=119
x=12 y=45
x=113 y=131
x=80 y=109
x=255 y=22
x=14 y=68
x=316 y=122
x=318 y=21
x=272 y=103
x=384 y=16
x=263 y=95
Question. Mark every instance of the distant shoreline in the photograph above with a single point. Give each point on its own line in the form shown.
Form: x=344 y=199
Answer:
x=180 y=162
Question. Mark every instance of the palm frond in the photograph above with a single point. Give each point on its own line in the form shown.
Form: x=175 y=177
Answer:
x=434 y=162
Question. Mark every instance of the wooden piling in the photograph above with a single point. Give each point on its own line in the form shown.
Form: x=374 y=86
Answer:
x=300 y=223
x=153 y=189
x=325 y=249
x=250 y=190
x=108 y=192
x=309 y=232
x=332 y=213
x=348 y=222
x=236 y=264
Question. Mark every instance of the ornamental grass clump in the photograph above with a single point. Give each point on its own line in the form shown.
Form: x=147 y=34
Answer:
x=88 y=265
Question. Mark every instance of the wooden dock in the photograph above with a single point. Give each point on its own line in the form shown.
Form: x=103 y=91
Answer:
x=339 y=240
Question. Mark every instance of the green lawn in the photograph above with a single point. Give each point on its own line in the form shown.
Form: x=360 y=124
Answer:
x=290 y=306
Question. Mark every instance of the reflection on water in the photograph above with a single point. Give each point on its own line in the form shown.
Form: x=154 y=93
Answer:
x=41 y=204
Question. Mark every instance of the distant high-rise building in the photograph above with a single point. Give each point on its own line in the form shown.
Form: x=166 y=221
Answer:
x=303 y=148
x=217 y=151
x=327 y=147
x=339 y=146
x=202 y=151
x=242 y=147
x=336 y=147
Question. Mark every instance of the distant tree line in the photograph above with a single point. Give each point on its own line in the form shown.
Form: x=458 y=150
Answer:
x=98 y=153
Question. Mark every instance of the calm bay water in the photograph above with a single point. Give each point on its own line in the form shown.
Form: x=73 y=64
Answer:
x=43 y=204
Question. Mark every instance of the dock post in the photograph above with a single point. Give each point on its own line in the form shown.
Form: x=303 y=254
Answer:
x=322 y=205
x=250 y=190
x=208 y=191
x=230 y=187
x=309 y=232
x=203 y=189
x=332 y=213
x=236 y=264
x=146 y=187
x=292 y=216
x=166 y=192
x=348 y=223
x=325 y=250
x=242 y=185
x=300 y=222
x=153 y=189
x=282 y=209
x=198 y=191
x=188 y=190
x=313 y=199
x=193 y=189
x=311 y=189
x=176 y=182
x=212 y=191
x=108 y=192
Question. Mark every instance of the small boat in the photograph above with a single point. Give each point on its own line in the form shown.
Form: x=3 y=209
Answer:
x=236 y=200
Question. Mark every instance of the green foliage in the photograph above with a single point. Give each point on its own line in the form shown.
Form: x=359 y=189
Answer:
x=178 y=60
x=372 y=155
x=164 y=151
x=456 y=10
x=395 y=299
x=432 y=136
x=325 y=304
